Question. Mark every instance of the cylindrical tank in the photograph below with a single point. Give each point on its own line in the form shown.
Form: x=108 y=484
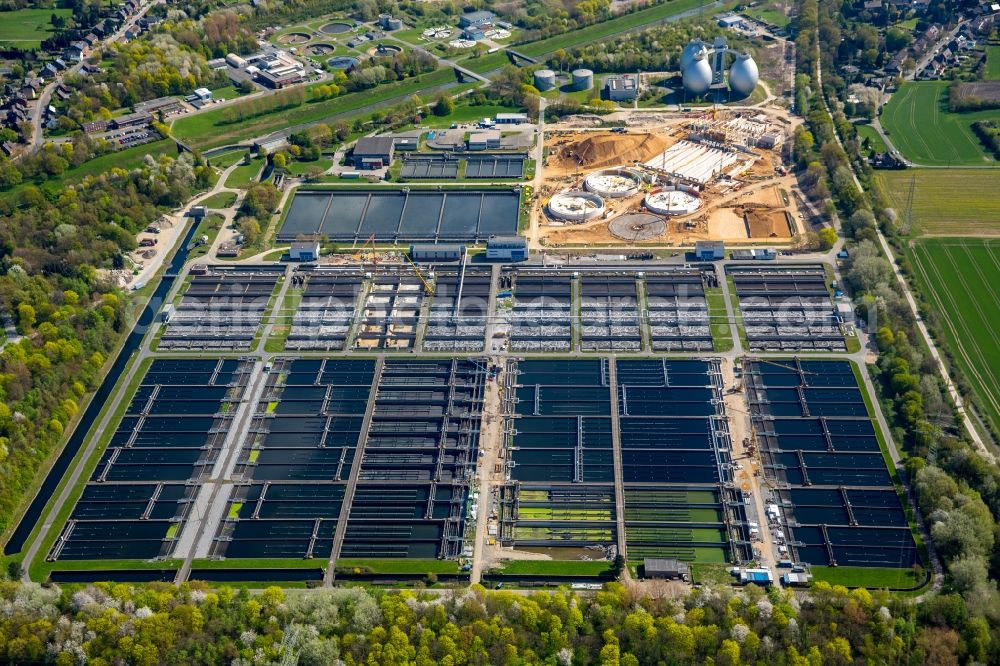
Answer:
x=698 y=74
x=743 y=75
x=583 y=79
x=545 y=79
x=693 y=47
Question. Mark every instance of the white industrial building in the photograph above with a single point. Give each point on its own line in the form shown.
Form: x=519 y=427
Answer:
x=484 y=140
x=693 y=162
x=304 y=251
x=623 y=88
x=511 y=118
x=507 y=248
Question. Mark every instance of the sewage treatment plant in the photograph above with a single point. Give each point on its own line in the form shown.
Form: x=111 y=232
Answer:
x=319 y=424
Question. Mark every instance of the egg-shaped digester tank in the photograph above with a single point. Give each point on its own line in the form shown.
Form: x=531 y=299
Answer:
x=697 y=75
x=743 y=75
x=693 y=47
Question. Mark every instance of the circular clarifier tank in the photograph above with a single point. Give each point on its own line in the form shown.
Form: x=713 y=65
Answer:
x=342 y=62
x=673 y=201
x=637 y=227
x=613 y=183
x=576 y=206
x=336 y=28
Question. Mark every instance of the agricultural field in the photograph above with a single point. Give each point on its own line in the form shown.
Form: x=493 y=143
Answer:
x=922 y=128
x=959 y=276
x=27 y=28
x=946 y=202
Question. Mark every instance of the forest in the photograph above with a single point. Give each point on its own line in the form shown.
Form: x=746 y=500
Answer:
x=54 y=254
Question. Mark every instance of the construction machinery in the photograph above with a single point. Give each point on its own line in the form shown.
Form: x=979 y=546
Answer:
x=428 y=287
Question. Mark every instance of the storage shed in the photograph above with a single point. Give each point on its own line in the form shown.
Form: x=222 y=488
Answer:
x=667 y=568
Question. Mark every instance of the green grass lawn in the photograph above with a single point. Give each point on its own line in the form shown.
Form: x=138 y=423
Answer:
x=599 y=31
x=961 y=279
x=401 y=565
x=207 y=130
x=870 y=577
x=210 y=226
x=993 y=62
x=869 y=133
x=283 y=319
x=919 y=124
x=26 y=28
x=220 y=200
x=226 y=92
x=244 y=174
x=486 y=62
x=722 y=332
x=465 y=113
x=297 y=168
x=554 y=567
x=770 y=12
x=945 y=202
x=226 y=160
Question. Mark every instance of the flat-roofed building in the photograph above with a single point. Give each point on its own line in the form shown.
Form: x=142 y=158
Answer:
x=667 y=568
x=484 y=140
x=507 y=248
x=373 y=152
x=621 y=88
x=511 y=118
x=436 y=252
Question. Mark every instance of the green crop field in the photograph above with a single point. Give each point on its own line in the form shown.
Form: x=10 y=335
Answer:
x=26 y=28
x=993 y=62
x=961 y=279
x=946 y=202
x=208 y=130
x=919 y=124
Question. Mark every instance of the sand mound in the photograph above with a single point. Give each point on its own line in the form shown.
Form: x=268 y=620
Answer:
x=764 y=223
x=601 y=150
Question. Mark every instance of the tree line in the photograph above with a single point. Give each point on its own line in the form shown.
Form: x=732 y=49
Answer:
x=618 y=626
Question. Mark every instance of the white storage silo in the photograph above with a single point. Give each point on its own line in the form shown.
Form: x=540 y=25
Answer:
x=545 y=79
x=583 y=79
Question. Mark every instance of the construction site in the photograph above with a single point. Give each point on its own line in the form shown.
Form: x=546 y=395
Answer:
x=715 y=175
